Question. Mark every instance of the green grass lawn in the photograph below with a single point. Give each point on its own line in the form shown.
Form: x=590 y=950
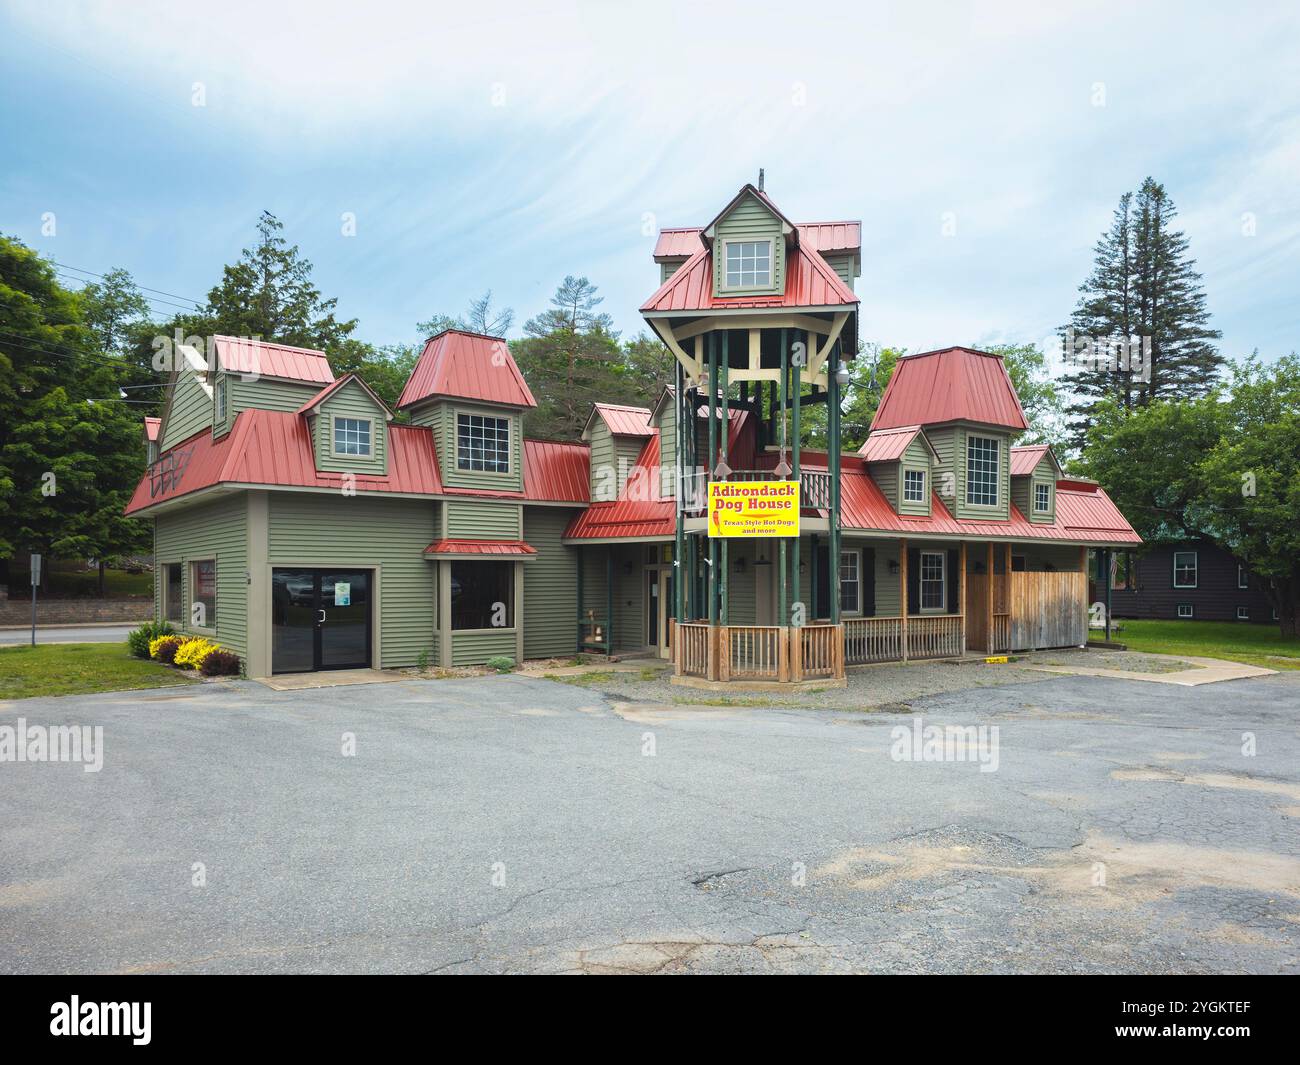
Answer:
x=78 y=668
x=1256 y=645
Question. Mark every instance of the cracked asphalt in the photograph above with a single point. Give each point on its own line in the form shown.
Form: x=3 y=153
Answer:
x=504 y=824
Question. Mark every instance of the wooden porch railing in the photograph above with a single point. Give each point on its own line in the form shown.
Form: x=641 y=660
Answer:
x=818 y=652
x=872 y=640
x=758 y=652
x=1000 y=638
x=934 y=635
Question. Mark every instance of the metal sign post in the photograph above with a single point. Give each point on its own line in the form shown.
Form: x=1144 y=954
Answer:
x=36 y=579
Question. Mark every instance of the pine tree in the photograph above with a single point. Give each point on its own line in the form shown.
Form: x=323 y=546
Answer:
x=1140 y=331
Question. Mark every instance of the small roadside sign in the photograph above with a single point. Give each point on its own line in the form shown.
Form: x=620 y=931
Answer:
x=36 y=569
x=36 y=579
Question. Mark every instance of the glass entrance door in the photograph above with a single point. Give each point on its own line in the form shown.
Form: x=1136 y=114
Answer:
x=320 y=619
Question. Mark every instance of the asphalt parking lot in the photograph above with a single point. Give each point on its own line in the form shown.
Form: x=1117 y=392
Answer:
x=507 y=824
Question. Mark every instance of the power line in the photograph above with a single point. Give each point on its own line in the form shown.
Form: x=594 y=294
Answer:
x=145 y=288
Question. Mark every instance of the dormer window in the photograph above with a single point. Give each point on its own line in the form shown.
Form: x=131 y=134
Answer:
x=482 y=443
x=352 y=436
x=221 y=399
x=749 y=263
x=983 y=455
x=913 y=486
x=1042 y=498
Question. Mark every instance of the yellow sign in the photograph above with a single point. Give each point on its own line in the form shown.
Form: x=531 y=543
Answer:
x=753 y=508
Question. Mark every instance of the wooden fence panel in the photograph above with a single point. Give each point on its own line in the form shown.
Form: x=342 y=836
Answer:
x=1048 y=610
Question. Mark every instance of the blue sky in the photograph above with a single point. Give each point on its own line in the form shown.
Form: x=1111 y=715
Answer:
x=503 y=146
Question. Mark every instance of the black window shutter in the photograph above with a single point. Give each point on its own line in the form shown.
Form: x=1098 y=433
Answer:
x=868 y=582
x=913 y=580
x=954 y=576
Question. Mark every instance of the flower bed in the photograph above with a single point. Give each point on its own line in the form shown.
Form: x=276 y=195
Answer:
x=182 y=651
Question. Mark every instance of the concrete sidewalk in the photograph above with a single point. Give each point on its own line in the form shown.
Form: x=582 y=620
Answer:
x=1202 y=671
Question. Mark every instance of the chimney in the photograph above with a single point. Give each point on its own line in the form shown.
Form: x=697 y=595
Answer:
x=760 y=179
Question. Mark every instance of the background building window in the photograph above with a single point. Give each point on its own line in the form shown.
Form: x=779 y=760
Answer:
x=749 y=263
x=1243 y=577
x=1243 y=613
x=982 y=455
x=932 y=589
x=914 y=486
x=173 y=592
x=482 y=595
x=1042 y=498
x=851 y=582
x=1184 y=569
x=203 y=592
x=482 y=443
x=351 y=436
x=1185 y=610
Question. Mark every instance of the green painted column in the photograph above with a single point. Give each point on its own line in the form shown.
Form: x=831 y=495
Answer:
x=724 y=430
x=783 y=572
x=581 y=561
x=797 y=388
x=812 y=584
x=833 y=467
x=679 y=540
x=609 y=600
x=709 y=463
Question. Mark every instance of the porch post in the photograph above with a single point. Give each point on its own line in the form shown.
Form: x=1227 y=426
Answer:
x=812 y=584
x=580 y=598
x=679 y=538
x=708 y=478
x=988 y=620
x=961 y=593
x=833 y=468
x=795 y=469
x=902 y=591
x=725 y=430
x=609 y=601
x=1109 y=553
x=784 y=565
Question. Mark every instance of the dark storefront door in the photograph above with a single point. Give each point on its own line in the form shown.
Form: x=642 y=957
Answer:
x=320 y=619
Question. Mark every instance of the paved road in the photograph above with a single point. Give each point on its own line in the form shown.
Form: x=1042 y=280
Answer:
x=79 y=634
x=504 y=824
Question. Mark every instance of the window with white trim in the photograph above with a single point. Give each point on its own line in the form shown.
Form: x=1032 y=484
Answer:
x=1185 y=569
x=352 y=436
x=482 y=443
x=933 y=593
x=203 y=594
x=983 y=455
x=1042 y=498
x=1243 y=576
x=1185 y=610
x=221 y=399
x=1243 y=613
x=749 y=263
x=851 y=582
x=914 y=486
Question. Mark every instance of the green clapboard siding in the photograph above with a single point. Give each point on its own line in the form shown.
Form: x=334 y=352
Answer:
x=218 y=531
x=350 y=401
x=916 y=457
x=475 y=648
x=843 y=266
x=482 y=520
x=749 y=220
x=1022 y=491
x=190 y=411
x=440 y=415
x=667 y=425
x=550 y=587
x=262 y=393
x=324 y=530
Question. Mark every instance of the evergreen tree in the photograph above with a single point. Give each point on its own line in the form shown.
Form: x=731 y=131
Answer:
x=269 y=293
x=1140 y=331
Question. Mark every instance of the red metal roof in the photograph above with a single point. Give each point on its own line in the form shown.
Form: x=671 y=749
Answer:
x=831 y=236
x=1088 y=516
x=639 y=510
x=467 y=366
x=480 y=547
x=683 y=242
x=325 y=393
x=955 y=384
x=1024 y=460
x=151 y=428
x=246 y=356
x=809 y=282
x=624 y=421
x=267 y=447
x=556 y=472
x=888 y=445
